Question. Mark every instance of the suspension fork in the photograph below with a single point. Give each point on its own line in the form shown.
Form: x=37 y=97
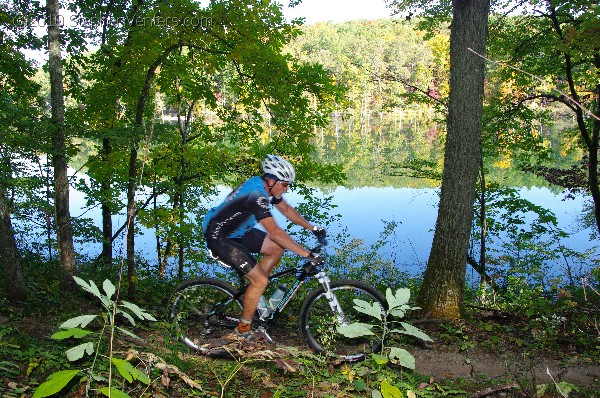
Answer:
x=331 y=299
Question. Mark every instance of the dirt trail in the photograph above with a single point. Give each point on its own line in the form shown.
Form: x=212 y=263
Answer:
x=440 y=364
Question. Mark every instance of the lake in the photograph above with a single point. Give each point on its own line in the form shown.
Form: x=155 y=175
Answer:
x=363 y=212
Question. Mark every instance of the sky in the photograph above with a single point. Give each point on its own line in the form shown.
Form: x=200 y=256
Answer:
x=336 y=10
x=312 y=10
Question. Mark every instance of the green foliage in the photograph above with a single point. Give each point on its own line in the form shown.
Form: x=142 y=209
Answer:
x=384 y=380
x=524 y=243
x=398 y=306
x=353 y=259
x=74 y=328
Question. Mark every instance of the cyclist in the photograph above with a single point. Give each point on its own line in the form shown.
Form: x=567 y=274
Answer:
x=231 y=233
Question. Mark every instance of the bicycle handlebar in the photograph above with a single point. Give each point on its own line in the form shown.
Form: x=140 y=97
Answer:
x=310 y=267
x=319 y=247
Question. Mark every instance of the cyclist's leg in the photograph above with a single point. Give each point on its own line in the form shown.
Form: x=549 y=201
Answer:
x=258 y=241
x=238 y=256
x=272 y=253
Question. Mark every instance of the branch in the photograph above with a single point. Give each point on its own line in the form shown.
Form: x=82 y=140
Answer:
x=427 y=93
x=493 y=389
x=473 y=263
x=565 y=95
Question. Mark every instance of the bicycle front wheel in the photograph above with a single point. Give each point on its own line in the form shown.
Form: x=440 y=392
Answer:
x=319 y=323
x=202 y=310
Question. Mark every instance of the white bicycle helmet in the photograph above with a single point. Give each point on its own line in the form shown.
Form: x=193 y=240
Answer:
x=279 y=168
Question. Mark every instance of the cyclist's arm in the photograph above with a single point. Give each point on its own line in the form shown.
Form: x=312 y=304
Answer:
x=282 y=238
x=293 y=215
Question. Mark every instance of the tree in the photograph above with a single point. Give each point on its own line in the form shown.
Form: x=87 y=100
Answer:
x=228 y=62
x=20 y=130
x=441 y=294
x=14 y=282
x=551 y=54
x=64 y=227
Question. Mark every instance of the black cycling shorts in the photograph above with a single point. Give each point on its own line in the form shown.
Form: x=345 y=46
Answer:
x=237 y=252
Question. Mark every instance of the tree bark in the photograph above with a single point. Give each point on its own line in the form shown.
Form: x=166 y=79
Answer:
x=64 y=228
x=107 y=226
x=442 y=292
x=133 y=169
x=14 y=282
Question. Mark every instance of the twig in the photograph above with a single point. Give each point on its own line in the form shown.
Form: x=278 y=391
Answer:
x=156 y=361
x=584 y=109
x=555 y=383
x=494 y=389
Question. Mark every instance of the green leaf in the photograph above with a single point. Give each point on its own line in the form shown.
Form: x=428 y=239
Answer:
x=130 y=372
x=82 y=320
x=73 y=332
x=400 y=311
x=114 y=393
x=376 y=394
x=109 y=288
x=356 y=330
x=402 y=357
x=390 y=391
x=541 y=389
x=399 y=299
x=55 y=382
x=372 y=309
x=79 y=351
x=379 y=359
x=127 y=316
x=9 y=367
x=413 y=331
x=91 y=287
x=124 y=368
x=138 y=311
x=360 y=385
x=128 y=333
x=565 y=388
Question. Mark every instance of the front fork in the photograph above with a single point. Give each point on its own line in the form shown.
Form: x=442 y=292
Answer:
x=331 y=299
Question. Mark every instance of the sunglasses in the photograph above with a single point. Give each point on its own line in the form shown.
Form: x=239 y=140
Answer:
x=284 y=184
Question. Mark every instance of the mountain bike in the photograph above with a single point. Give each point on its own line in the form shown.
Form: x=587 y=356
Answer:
x=206 y=309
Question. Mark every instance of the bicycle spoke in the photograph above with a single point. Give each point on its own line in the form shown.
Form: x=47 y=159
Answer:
x=320 y=323
x=203 y=312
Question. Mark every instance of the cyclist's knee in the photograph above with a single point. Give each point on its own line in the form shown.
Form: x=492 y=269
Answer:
x=270 y=248
x=257 y=277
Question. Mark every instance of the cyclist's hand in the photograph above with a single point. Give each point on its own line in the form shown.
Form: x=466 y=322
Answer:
x=319 y=232
x=315 y=259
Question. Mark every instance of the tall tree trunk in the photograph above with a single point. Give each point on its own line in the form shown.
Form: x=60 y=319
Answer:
x=59 y=160
x=107 y=253
x=131 y=184
x=14 y=282
x=441 y=294
x=133 y=169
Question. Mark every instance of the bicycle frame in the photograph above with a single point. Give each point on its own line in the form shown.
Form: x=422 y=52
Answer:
x=302 y=272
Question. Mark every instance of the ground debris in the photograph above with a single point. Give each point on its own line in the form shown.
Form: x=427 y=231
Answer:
x=494 y=389
x=154 y=361
x=234 y=347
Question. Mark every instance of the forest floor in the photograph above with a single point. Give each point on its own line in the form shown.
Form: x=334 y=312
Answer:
x=488 y=360
x=467 y=353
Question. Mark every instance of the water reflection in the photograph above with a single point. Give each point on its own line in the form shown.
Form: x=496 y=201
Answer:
x=365 y=210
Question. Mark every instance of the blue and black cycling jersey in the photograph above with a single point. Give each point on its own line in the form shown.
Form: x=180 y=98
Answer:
x=243 y=208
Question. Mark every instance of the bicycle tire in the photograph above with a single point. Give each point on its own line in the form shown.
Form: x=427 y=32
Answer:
x=190 y=310
x=318 y=323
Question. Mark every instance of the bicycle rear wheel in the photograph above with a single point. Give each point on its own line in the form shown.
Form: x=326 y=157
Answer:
x=319 y=324
x=204 y=309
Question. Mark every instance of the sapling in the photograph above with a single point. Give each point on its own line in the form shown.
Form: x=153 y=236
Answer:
x=382 y=328
x=76 y=328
